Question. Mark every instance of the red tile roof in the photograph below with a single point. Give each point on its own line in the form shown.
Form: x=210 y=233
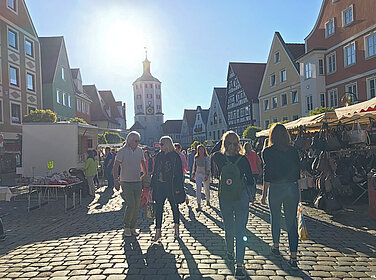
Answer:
x=250 y=77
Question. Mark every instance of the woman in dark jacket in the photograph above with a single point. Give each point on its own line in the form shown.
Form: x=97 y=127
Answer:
x=167 y=182
x=282 y=186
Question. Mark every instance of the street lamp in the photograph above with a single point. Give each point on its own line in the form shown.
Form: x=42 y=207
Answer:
x=349 y=98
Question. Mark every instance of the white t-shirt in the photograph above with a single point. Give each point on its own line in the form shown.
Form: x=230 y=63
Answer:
x=130 y=162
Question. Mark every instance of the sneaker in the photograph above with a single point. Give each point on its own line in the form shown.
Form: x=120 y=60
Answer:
x=275 y=251
x=198 y=208
x=208 y=203
x=240 y=272
x=293 y=263
x=134 y=232
x=127 y=232
x=230 y=257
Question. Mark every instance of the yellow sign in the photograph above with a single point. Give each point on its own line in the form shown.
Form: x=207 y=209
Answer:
x=50 y=164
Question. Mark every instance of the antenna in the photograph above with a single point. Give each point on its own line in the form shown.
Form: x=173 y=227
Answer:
x=146 y=52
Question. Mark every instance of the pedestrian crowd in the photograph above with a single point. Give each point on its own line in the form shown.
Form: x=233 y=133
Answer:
x=237 y=169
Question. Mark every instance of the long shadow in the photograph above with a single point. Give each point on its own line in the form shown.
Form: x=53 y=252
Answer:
x=342 y=239
x=104 y=197
x=261 y=248
x=155 y=262
x=205 y=237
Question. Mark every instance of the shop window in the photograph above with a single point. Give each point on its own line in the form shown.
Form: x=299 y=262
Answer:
x=15 y=110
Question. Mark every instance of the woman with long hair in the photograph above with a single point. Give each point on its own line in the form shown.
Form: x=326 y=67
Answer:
x=233 y=196
x=167 y=183
x=201 y=174
x=282 y=186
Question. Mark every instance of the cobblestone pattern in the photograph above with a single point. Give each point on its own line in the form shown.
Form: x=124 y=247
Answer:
x=87 y=243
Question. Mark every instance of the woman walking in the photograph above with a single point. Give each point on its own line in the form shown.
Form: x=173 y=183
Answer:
x=167 y=182
x=233 y=196
x=201 y=174
x=282 y=186
x=91 y=168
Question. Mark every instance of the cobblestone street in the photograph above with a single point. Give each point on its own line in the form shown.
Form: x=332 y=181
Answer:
x=87 y=243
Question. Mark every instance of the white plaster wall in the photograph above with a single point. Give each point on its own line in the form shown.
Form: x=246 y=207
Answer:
x=43 y=143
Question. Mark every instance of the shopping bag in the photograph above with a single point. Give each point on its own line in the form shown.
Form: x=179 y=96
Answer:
x=302 y=228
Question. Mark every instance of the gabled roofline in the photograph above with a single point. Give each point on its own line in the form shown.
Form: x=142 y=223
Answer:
x=285 y=48
x=316 y=23
x=29 y=17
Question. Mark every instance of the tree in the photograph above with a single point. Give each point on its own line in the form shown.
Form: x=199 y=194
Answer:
x=102 y=139
x=282 y=122
x=40 y=116
x=320 y=110
x=195 y=144
x=250 y=132
x=113 y=138
x=77 y=120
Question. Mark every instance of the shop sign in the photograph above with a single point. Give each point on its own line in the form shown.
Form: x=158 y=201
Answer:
x=157 y=146
x=50 y=164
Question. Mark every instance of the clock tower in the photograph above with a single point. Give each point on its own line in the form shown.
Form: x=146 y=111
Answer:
x=148 y=106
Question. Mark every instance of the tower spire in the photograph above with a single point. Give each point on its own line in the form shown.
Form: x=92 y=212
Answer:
x=146 y=62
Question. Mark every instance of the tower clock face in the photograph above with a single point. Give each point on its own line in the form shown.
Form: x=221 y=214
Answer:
x=149 y=110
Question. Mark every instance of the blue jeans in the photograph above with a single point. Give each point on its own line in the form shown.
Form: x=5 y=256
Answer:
x=109 y=177
x=288 y=195
x=235 y=218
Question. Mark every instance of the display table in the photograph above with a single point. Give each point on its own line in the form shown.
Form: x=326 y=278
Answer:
x=5 y=194
x=47 y=191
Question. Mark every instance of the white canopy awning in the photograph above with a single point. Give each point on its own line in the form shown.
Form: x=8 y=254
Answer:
x=365 y=109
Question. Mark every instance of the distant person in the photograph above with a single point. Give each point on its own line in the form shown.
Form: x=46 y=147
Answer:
x=108 y=165
x=184 y=164
x=282 y=187
x=254 y=160
x=131 y=159
x=201 y=174
x=96 y=158
x=91 y=168
x=191 y=158
x=167 y=183
x=233 y=197
x=149 y=161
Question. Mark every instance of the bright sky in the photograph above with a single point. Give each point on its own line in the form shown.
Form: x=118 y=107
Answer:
x=190 y=43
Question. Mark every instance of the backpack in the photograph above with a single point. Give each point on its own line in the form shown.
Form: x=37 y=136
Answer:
x=230 y=181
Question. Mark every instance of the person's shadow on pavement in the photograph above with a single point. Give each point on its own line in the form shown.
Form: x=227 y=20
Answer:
x=156 y=261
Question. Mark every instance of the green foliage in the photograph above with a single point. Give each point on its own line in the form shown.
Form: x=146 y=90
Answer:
x=102 y=139
x=112 y=138
x=77 y=120
x=195 y=144
x=320 y=110
x=250 y=132
x=40 y=116
x=282 y=122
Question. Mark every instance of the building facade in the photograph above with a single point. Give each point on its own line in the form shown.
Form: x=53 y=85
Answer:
x=100 y=111
x=172 y=128
x=243 y=84
x=345 y=31
x=280 y=92
x=20 y=81
x=58 y=89
x=200 y=126
x=186 y=134
x=217 y=120
x=83 y=101
x=148 y=105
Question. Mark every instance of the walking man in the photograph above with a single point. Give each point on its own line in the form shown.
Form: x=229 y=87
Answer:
x=130 y=158
x=108 y=164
